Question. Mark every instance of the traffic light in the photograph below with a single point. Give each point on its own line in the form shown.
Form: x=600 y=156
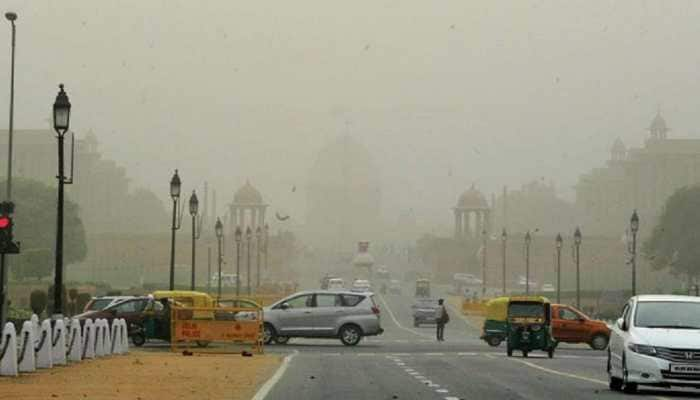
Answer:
x=7 y=245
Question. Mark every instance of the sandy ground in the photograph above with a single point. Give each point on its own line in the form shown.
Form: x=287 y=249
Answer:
x=147 y=375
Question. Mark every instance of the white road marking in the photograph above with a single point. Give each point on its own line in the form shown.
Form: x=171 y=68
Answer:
x=267 y=386
x=566 y=374
x=442 y=390
x=366 y=354
x=396 y=321
x=451 y=398
x=419 y=377
x=466 y=354
x=434 y=354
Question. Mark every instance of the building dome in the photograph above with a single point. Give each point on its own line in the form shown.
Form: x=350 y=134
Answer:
x=472 y=199
x=247 y=194
x=658 y=127
x=618 y=147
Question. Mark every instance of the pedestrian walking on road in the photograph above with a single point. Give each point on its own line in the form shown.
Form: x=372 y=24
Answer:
x=442 y=317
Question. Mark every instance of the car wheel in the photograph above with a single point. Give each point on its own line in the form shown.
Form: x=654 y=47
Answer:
x=494 y=341
x=350 y=335
x=282 y=339
x=627 y=387
x=599 y=342
x=269 y=334
x=614 y=383
x=139 y=339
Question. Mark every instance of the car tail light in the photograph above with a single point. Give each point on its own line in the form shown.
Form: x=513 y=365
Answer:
x=375 y=310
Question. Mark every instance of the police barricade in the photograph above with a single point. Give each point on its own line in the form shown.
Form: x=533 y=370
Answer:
x=224 y=325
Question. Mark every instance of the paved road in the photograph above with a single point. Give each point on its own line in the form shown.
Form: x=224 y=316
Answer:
x=407 y=363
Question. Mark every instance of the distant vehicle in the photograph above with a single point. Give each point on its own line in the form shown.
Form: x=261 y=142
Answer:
x=523 y=282
x=462 y=282
x=547 y=288
x=361 y=285
x=655 y=342
x=348 y=316
x=227 y=280
x=422 y=287
x=394 y=287
x=100 y=303
x=336 y=284
x=324 y=281
x=425 y=311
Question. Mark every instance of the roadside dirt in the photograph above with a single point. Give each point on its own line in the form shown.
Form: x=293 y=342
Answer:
x=147 y=375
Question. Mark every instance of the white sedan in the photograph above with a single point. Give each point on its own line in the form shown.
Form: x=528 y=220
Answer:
x=656 y=342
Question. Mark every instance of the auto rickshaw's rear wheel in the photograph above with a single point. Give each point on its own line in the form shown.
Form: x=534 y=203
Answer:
x=494 y=341
x=509 y=351
x=524 y=353
x=282 y=339
x=550 y=353
x=139 y=339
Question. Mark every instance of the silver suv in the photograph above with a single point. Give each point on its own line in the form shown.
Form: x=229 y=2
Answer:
x=345 y=315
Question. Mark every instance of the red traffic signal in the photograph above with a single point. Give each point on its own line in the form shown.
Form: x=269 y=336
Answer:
x=5 y=222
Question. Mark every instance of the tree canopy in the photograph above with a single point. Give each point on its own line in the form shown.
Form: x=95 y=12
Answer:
x=35 y=228
x=675 y=240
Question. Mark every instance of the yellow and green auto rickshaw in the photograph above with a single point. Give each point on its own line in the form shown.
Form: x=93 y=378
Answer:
x=495 y=328
x=529 y=325
x=422 y=287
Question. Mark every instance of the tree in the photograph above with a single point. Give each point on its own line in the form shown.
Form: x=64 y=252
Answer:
x=35 y=228
x=675 y=240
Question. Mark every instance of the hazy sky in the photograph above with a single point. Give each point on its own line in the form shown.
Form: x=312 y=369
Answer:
x=502 y=91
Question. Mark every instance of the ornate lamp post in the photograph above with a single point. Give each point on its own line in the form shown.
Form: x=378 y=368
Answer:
x=238 y=236
x=483 y=263
x=504 y=241
x=559 y=242
x=266 y=234
x=175 y=185
x=634 y=227
x=194 y=208
x=248 y=240
x=61 y=123
x=528 y=240
x=577 y=246
x=258 y=238
x=219 y=230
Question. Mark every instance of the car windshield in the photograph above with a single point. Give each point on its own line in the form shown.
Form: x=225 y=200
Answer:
x=99 y=304
x=668 y=314
x=535 y=310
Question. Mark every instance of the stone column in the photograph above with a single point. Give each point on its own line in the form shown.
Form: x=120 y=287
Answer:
x=458 y=224
x=262 y=217
x=253 y=218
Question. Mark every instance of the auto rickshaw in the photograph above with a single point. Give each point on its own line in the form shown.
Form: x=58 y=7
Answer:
x=495 y=328
x=156 y=321
x=529 y=325
x=422 y=287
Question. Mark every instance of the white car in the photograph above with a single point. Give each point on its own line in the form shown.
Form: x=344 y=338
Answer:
x=336 y=284
x=656 y=342
x=361 y=285
x=547 y=287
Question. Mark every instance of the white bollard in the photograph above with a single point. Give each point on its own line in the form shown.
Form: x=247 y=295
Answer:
x=124 y=336
x=8 y=351
x=116 y=337
x=99 y=338
x=107 y=333
x=35 y=325
x=43 y=346
x=75 y=343
x=89 y=339
x=58 y=343
x=27 y=358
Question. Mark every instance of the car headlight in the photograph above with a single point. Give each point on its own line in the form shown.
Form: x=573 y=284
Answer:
x=642 y=349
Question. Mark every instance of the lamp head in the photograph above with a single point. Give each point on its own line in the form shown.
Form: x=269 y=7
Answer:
x=194 y=204
x=577 y=236
x=61 y=111
x=559 y=240
x=238 y=234
x=219 y=228
x=175 y=185
x=11 y=16
x=634 y=222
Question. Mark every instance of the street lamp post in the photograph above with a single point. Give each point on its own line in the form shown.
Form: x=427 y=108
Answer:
x=219 y=230
x=577 y=246
x=483 y=263
x=634 y=227
x=208 y=270
x=258 y=237
x=194 y=208
x=61 y=123
x=248 y=239
x=4 y=264
x=504 y=241
x=559 y=242
x=528 y=240
x=238 y=237
x=266 y=234
x=175 y=185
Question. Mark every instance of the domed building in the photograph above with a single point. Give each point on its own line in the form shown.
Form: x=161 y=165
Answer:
x=343 y=195
x=472 y=214
x=247 y=209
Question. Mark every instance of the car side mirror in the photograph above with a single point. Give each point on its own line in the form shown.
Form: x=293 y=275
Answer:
x=621 y=324
x=284 y=306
